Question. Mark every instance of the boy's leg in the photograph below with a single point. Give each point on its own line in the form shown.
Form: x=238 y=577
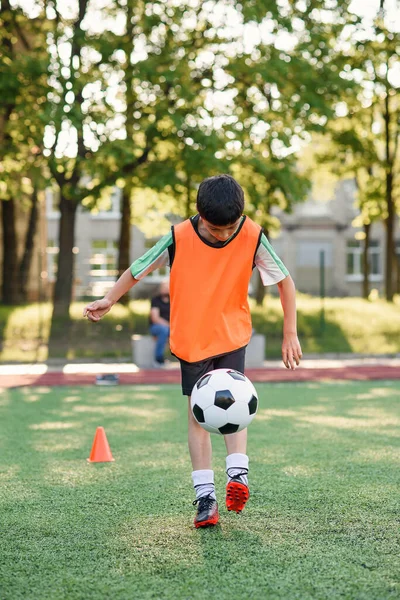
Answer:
x=237 y=461
x=199 y=440
x=200 y=449
x=236 y=442
x=237 y=468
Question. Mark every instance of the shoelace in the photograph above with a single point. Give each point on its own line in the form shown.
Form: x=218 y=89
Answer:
x=204 y=501
x=237 y=475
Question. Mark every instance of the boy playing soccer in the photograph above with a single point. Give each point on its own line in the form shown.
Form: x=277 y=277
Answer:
x=212 y=256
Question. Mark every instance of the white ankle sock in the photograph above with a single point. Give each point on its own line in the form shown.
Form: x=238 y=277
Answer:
x=237 y=463
x=203 y=483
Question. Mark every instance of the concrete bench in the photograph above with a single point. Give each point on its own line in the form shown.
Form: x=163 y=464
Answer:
x=255 y=352
x=143 y=351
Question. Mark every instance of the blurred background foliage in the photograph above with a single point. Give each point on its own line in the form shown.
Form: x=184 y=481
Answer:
x=155 y=96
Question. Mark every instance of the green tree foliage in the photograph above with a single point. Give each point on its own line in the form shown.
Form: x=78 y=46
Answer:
x=23 y=86
x=164 y=73
x=285 y=86
x=285 y=77
x=124 y=99
x=79 y=121
x=161 y=94
x=365 y=133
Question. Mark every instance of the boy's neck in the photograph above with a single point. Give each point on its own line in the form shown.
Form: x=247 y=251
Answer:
x=205 y=233
x=209 y=237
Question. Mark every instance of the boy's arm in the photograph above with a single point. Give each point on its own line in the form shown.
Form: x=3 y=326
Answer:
x=97 y=309
x=272 y=271
x=291 y=349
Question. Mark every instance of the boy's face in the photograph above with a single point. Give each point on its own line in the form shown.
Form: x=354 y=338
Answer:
x=221 y=233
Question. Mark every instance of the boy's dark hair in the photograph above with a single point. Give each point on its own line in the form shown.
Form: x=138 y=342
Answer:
x=220 y=200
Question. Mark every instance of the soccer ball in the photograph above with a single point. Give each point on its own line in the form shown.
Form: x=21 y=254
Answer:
x=224 y=401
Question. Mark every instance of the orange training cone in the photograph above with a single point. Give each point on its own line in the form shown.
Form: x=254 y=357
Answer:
x=100 y=450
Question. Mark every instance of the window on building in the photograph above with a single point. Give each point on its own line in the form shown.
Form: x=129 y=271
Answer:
x=354 y=268
x=52 y=251
x=309 y=253
x=103 y=260
x=374 y=254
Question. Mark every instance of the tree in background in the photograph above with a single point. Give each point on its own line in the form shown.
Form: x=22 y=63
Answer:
x=165 y=92
x=379 y=58
x=365 y=133
x=164 y=74
x=348 y=150
x=23 y=67
x=79 y=123
x=285 y=80
x=371 y=210
x=118 y=99
x=161 y=94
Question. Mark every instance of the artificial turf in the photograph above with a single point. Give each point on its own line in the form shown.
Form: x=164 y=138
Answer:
x=322 y=521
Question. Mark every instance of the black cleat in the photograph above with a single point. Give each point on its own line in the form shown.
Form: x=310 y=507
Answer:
x=207 y=511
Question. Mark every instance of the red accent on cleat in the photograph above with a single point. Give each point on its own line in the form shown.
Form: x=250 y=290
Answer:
x=212 y=521
x=237 y=495
x=207 y=512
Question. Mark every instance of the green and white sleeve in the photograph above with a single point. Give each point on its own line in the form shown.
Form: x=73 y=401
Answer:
x=271 y=268
x=156 y=257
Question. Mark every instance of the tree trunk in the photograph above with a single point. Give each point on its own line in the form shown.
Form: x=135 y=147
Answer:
x=365 y=262
x=125 y=234
x=25 y=266
x=10 y=293
x=126 y=209
x=60 y=321
x=389 y=224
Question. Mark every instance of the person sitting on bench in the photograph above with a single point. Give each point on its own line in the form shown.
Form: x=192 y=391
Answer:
x=159 y=322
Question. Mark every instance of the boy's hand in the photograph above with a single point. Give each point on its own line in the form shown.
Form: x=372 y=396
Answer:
x=97 y=309
x=291 y=351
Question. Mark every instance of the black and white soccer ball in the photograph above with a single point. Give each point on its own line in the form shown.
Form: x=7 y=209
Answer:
x=224 y=401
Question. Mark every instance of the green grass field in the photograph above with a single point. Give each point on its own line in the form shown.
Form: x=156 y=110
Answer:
x=322 y=521
x=350 y=325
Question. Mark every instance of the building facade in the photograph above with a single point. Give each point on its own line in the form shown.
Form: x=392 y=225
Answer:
x=315 y=231
x=96 y=246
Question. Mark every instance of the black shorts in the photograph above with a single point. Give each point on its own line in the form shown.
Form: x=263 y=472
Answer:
x=191 y=372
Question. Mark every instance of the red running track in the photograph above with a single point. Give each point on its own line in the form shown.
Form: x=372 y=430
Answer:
x=359 y=373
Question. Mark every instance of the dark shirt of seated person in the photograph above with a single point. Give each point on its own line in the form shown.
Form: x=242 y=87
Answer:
x=159 y=322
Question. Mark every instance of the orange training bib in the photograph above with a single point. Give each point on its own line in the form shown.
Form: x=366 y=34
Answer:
x=210 y=314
